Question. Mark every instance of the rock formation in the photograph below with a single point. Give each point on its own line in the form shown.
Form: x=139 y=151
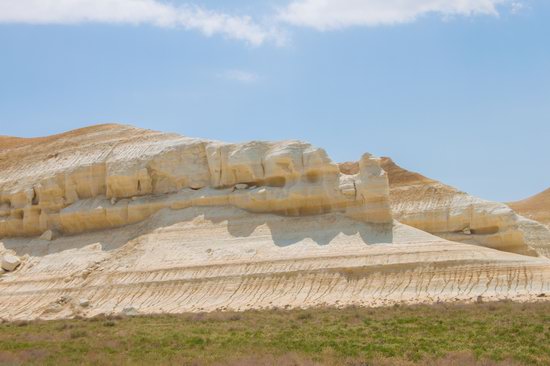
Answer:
x=111 y=175
x=10 y=262
x=114 y=219
x=444 y=211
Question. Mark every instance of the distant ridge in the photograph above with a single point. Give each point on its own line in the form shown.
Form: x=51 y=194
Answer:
x=536 y=207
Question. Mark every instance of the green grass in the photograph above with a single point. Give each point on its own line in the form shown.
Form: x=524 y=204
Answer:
x=485 y=334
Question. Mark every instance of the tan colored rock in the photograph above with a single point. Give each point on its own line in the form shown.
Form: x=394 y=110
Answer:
x=10 y=262
x=444 y=211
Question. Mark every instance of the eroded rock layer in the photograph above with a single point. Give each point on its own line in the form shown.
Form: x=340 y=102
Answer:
x=113 y=219
x=111 y=175
x=219 y=258
x=444 y=211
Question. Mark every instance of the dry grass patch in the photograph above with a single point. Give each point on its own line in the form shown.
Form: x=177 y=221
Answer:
x=502 y=333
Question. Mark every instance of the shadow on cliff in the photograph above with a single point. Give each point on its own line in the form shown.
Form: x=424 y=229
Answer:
x=110 y=240
x=284 y=230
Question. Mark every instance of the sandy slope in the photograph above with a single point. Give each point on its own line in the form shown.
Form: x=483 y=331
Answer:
x=536 y=207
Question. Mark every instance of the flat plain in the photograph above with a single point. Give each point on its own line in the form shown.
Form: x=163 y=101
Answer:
x=500 y=333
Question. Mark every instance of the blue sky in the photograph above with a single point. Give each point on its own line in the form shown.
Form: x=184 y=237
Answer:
x=457 y=90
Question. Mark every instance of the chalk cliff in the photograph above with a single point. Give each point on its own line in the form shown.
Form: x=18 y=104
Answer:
x=112 y=175
x=114 y=219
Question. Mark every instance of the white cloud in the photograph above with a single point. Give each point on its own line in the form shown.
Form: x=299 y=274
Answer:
x=335 y=14
x=318 y=14
x=517 y=7
x=240 y=76
x=153 y=12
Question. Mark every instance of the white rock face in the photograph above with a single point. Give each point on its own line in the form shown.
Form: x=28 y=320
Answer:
x=110 y=176
x=139 y=222
x=10 y=262
x=222 y=258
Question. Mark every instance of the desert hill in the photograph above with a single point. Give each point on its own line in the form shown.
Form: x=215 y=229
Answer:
x=536 y=207
x=112 y=218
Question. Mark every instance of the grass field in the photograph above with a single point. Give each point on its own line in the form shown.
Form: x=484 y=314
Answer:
x=482 y=334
